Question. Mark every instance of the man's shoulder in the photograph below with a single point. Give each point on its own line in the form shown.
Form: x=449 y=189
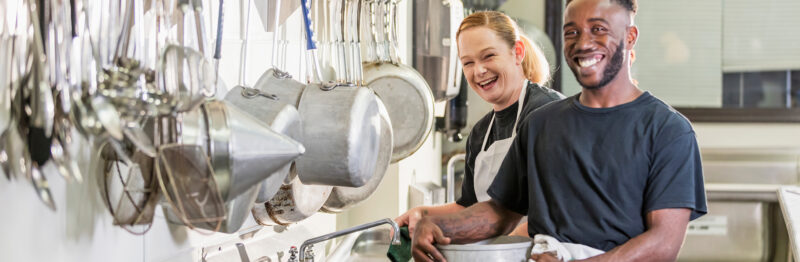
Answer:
x=552 y=107
x=539 y=96
x=668 y=117
x=556 y=109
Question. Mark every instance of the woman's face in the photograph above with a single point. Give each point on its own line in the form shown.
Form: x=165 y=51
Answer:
x=491 y=67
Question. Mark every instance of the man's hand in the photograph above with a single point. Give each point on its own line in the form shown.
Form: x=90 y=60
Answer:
x=422 y=241
x=410 y=218
x=544 y=258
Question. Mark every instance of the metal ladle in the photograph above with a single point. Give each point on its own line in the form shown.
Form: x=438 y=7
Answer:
x=187 y=89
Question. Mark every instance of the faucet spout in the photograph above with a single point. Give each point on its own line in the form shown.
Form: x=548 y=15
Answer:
x=395 y=234
x=451 y=173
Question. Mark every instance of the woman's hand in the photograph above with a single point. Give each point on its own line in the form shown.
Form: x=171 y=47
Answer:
x=410 y=219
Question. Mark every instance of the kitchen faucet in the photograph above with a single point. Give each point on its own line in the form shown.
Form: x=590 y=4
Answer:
x=395 y=235
x=451 y=173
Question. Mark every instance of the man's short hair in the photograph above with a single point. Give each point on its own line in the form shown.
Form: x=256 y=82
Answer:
x=630 y=5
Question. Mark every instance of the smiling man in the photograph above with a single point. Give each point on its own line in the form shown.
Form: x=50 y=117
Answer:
x=612 y=168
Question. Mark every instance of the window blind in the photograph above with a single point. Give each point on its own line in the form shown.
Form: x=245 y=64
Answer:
x=761 y=35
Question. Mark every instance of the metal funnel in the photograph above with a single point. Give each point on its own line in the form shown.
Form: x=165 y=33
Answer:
x=275 y=110
x=244 y=150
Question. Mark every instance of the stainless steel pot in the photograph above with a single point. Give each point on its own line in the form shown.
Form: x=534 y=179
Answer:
x=344 y=142
x=345 y=197
x=294 y=200
x=407 y=96
x=342 y=198
x=501 y=249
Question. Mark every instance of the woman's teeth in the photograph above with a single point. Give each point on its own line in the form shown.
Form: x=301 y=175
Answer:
x=489 y=81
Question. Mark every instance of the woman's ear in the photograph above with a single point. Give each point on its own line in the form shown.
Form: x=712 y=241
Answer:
x=519 y=51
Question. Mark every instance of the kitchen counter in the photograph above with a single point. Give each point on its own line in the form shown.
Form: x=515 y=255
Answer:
x=789 y=198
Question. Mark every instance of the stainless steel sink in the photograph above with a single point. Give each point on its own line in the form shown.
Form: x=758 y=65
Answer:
x=366 y=246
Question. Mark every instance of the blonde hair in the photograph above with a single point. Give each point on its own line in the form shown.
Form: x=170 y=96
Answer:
x=534 y=64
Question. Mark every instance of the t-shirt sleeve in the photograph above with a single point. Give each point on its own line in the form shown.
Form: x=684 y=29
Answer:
x=676 y=177
x=510 y=186
x=468 y=196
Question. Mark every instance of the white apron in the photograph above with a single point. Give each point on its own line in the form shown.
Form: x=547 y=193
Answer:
x=487 y=162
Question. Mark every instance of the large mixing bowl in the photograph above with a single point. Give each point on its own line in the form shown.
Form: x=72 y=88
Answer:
x=500 y=249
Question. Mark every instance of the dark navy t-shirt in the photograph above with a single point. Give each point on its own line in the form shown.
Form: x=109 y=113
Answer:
x=590 y=175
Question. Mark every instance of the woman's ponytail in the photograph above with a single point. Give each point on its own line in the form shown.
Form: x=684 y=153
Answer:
x=534 y=64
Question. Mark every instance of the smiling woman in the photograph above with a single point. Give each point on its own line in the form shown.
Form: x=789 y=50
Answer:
x=507 y=70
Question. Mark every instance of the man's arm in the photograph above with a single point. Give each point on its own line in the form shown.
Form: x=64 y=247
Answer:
x=410 y=217
x=666 y=229
x=477 y=222
x=480 y=221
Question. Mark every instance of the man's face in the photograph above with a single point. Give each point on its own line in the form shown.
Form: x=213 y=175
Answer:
x=488 y=64
x=595 y=33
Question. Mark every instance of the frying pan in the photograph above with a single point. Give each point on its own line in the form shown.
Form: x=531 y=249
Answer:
x=407 y=96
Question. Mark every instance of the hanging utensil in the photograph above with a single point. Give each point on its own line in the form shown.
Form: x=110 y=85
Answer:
x=346 y=120
x=295 y=200
x=272 y=100
x=404 y=91
x=220 y=88
x=186 y=76
x=243 y=151
x=342 y=198
x=128 y=185
x=190 y=189
x=228 y=218
x=32 y=110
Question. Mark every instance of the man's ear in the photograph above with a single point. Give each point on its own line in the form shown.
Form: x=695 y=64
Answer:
x=632 y=37
x=519 y=51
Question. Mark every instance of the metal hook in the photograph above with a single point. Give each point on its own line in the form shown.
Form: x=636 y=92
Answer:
x=248 y=92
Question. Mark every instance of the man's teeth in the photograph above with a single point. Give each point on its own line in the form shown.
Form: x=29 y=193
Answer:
x=487 y=81
x=587 y=62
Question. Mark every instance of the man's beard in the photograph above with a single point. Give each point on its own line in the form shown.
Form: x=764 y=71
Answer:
x=611 y=71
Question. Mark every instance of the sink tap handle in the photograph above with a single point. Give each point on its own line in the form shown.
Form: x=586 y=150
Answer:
x=309 y=254
x=292 y=254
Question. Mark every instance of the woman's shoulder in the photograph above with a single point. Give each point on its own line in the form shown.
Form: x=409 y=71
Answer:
x=539 y=96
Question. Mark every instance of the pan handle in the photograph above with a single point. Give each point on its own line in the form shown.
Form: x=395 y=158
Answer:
x=244 y=38
x=217 y=49
x=218 y=43
x=276 y=17
x=311 y=46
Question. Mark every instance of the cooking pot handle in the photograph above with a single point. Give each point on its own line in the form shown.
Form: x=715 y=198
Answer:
x=218 y=43
x=311 y=46
x=217 y=49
